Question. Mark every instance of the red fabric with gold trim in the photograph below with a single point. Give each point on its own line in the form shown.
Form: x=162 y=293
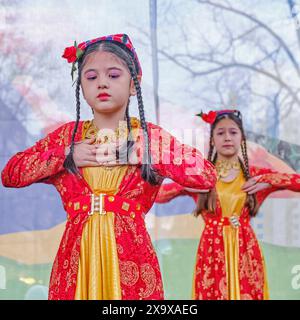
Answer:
x=169 y=191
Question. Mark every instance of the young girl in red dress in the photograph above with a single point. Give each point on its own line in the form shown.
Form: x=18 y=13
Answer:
x=107 y=171
x=229 y=261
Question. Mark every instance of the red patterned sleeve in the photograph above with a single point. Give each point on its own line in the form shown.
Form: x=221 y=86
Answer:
x=277 y=180
x=169 y=191
x=180 y=162
x=37 y=163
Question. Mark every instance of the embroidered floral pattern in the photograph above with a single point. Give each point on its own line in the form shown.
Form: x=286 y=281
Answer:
x=129 y=273
x=149 y=278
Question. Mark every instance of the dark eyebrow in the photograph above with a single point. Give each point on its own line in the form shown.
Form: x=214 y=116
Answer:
x=115 y=68
x=86 y=71
x=232 y=128
x=109 y=69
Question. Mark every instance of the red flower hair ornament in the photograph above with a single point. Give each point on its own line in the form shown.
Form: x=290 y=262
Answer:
x=208 y=117
x=211 y=116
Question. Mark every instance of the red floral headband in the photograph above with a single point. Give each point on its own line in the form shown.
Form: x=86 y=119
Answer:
x=74 y=53
x=211 y=116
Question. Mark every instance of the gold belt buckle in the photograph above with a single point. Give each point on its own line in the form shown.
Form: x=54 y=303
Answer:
x=235 y=221
x=97 y=204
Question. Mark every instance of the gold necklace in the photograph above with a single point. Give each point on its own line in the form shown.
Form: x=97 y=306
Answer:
x=110 y=136
x=224 y=167
x=107 y=136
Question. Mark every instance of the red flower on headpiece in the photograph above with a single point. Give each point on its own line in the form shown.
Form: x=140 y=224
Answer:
x=70 y=54
x=208 y=117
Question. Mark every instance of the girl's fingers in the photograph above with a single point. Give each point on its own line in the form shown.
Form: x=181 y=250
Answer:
x=89 y=164
x=256 y=178
x=249 y=188
x=93 y=151
x=196 y=190
x=252 y=192
x=108 y=157
x=252 y=181
x=257 y=187
x=90 y=158
x=103 y=159
x=248 y=184
x=105 y=150
x=245 y=186
x=110 y=164
x=89 y=141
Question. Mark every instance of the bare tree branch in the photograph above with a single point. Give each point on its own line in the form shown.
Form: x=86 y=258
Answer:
x=259 y=23
x=222 y=66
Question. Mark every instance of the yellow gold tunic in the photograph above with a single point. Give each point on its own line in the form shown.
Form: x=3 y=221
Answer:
x=232 y=200
x=98 y=274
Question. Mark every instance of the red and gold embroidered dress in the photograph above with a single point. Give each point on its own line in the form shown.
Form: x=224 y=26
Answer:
x=229 y=262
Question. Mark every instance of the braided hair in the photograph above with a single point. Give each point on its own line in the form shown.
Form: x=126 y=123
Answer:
x=147 y=171
x=207 y=201
x=69 y=162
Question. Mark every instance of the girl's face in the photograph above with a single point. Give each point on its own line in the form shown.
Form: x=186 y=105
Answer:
x=106 y=82
x=227 y=138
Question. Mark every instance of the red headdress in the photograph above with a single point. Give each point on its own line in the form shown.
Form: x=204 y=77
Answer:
x=74 y=53
x=211 y=116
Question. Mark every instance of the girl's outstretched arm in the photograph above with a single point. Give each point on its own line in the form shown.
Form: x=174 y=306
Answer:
x=169 y=191
x=39 y=162
x=180 y=162
x=276 y=180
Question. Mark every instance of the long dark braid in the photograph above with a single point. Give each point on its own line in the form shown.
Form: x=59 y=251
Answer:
x=69 y=162
x=211 y=148
x=205 y=200
x=128 y=118
x=251 y=200
x=245 y=158
x=148 y=173
x=123 y=154
x=129 y=137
